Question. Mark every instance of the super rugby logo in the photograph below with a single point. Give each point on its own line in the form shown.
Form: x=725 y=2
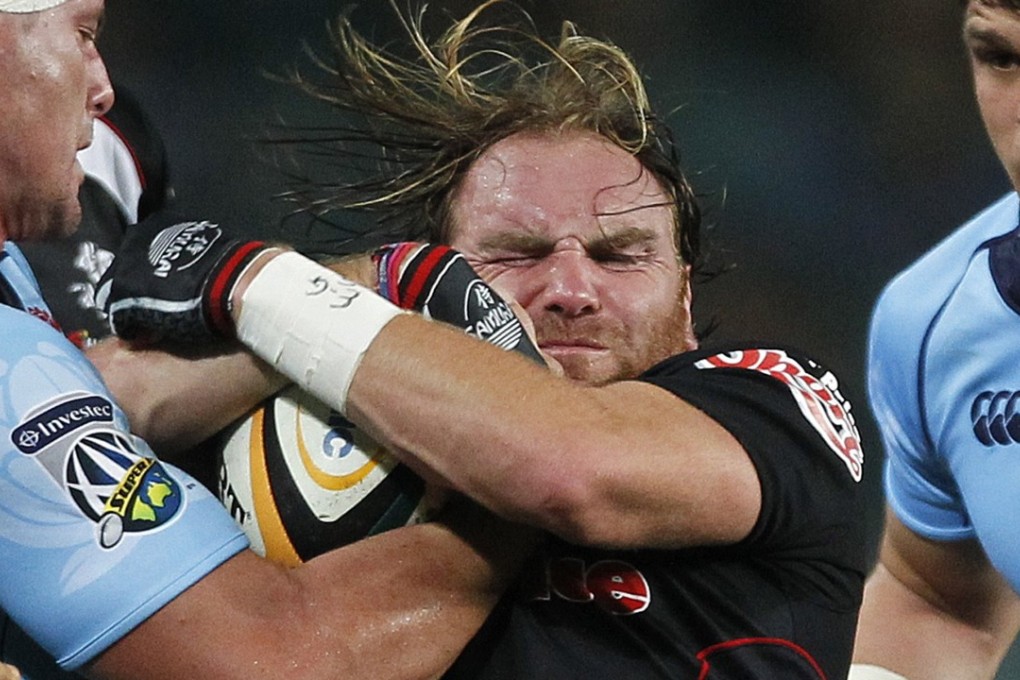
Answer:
x=996 y=418
x=489 y=318
x=60 y=420
x=819 y=399
x=119 y=490
x=180 y=246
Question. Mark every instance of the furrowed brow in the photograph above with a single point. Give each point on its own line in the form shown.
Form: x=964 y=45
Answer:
x=517 y=242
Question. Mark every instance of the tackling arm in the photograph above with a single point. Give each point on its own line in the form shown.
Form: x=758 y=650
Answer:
x=935 y=610
x=398 y=605
x=626 y=464
x=176 y=400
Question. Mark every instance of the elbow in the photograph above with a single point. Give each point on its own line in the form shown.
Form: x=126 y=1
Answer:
x=567 y=504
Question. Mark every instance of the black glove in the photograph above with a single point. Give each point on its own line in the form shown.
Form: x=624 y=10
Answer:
x=438 y=282
x=172 y=280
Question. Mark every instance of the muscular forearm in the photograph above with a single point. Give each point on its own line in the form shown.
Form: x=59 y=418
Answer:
x=175 y=401
x=594 y=465
x=625 y=464
x=398 y=605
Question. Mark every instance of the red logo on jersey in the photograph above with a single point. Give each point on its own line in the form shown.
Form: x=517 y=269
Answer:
x=616 y=587
x=818 y=398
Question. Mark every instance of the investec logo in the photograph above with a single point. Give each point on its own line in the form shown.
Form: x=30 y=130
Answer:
x=40 y=431
x=181 y=245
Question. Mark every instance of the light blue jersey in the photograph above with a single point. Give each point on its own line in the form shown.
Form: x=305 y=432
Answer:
x=95 y=534
x=944 y=381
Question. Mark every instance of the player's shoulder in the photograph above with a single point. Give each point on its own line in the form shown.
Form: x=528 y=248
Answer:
x=756 y=357
x=774 y=365
x=20 y=327
x=36 y=358
x=21 y=303
x=913 y=298
x=764 y=388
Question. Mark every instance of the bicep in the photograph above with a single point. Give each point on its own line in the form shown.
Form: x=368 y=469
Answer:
x=954 y=577
x=935 y=607
x=662 y=473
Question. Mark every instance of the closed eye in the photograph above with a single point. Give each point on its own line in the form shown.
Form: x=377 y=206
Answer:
x=514 y=260
x=616 y=260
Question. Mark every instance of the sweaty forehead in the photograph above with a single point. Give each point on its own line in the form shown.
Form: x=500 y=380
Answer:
x=551 y=187
x=549 y=177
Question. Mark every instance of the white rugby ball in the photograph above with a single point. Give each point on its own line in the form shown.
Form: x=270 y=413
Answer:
x=301 y=479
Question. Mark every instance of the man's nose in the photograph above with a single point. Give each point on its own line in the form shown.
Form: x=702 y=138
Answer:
x=100 y=94
x=569 y=284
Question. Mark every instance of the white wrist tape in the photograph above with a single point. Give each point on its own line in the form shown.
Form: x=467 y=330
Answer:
x=26 y=6
x=311 y=324
x=861 y=671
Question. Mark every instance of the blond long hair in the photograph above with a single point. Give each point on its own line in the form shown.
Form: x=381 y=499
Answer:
x=420 y=122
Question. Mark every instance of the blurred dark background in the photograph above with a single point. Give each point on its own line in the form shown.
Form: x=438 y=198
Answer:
x=834 y=142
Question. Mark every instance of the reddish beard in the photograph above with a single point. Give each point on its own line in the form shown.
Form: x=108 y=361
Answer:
x=629 y=352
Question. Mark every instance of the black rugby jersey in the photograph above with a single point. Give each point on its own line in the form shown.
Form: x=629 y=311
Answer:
x=782 y=603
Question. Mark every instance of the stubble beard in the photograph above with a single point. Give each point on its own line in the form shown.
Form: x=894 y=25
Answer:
x=627 y=358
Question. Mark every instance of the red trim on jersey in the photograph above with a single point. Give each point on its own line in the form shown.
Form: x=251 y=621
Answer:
x=746 y=642
x=130 y=149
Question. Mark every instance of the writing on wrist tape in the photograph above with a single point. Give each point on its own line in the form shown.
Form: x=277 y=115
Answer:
x=311 y=324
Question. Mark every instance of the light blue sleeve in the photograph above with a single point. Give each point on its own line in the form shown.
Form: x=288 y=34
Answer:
x=908 y=381
x=918 y=485
x=95 y=534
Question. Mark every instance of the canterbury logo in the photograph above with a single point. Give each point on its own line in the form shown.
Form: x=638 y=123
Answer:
x=995 y=418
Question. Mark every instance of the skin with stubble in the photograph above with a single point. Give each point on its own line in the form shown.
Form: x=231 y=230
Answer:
x=55 y=85
x=582 y=237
